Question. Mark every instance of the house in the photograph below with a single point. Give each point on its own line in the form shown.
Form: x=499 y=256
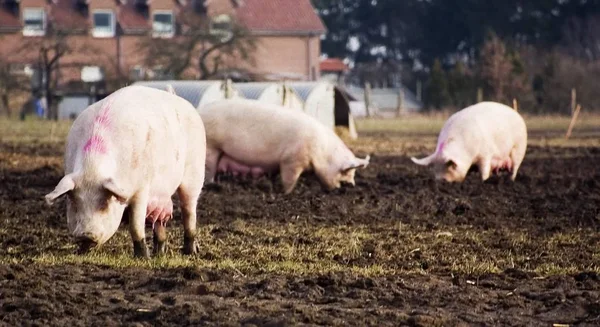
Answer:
x=333 y=70
x=107 y=34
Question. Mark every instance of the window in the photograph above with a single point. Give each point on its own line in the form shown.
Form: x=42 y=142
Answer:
x=221 y=27
x=163 y=24
x=104 y=23
x=34 y=22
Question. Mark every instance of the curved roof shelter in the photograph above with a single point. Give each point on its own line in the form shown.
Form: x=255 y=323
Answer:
x=198 y=93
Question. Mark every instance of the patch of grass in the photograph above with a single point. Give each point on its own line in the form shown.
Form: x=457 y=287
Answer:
x=33 y=130
x=251 y=248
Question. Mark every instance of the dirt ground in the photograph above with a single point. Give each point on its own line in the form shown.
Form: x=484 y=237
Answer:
x=421 y=253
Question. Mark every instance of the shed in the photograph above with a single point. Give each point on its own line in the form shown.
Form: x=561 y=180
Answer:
x=71 y=105
x=384 y=101
x=75 y=96
x=319 y=100
x=343 y=113
x=198 y=93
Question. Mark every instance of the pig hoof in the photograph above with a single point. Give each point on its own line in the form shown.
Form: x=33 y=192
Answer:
x=140 y=250
x=190 y=246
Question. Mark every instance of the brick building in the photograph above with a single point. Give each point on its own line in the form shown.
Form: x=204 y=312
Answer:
x=106 y=33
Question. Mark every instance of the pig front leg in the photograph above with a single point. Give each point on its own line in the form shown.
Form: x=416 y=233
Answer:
x=137 y=225
x=485 y=167
x=289 y=176
x=160 y=211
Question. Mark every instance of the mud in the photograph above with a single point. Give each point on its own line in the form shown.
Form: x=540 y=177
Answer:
x=556 y=192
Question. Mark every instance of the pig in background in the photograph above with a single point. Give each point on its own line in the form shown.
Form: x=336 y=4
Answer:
x=133 y=149
x=490 y=135
x=259 y=138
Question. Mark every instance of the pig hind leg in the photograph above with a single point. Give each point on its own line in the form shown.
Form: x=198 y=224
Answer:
x=212 y=162
x=160 y=238
x=188 y=196
x=516 y=156
x=159 y=225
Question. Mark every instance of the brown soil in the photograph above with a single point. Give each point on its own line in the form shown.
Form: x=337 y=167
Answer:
x=557 y=191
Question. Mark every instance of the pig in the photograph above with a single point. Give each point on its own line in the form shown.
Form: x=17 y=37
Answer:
x=489 y=135
x=275 y=139
x=134 y=149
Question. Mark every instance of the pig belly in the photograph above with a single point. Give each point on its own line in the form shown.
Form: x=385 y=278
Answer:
x=501 y=163
x=159 y=209
x=229 y=165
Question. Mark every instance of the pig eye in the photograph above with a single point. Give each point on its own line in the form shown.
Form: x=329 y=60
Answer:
x=450 y=164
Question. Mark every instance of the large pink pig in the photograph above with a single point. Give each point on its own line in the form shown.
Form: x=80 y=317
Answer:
x=490 y=135
x=133 y=149
x=269 y=138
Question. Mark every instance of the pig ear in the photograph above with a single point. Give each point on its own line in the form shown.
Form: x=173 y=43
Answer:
x=355 y=163
x=170 y=89
x=115 y=190
x=425 y=161
x=65 y=185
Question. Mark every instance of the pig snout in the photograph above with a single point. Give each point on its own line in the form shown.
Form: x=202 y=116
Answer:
x=85 y=242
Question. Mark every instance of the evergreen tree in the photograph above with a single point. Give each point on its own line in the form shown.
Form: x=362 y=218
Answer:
x=437 y=95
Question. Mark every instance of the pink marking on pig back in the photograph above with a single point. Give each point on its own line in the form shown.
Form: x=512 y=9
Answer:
x=95 y=144
x=102 y=121
x=103 y=117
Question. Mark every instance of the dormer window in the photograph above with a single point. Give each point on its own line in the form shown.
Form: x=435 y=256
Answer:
x=34 y=22
x=104 y=23
x=163 y=23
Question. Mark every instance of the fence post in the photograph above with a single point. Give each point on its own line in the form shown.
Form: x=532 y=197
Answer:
x=573 y=119
x=400 y=102
x=573 y=100
x=368 y=98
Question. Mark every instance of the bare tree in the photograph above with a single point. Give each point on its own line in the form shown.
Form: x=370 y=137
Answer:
x=47 y=53
x=581 y=37
x=11 y=84
x=200 y=44
x=49 y=50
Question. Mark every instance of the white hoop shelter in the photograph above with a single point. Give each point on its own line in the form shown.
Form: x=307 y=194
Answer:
x=261 y=91
x=274 y=93
x=198 y=93
x=319 y=100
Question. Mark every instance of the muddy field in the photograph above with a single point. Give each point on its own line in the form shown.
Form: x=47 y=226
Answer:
x=397 y=249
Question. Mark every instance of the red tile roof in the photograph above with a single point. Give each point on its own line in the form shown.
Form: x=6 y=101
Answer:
x=131 y=18
x=275 y=16
x=280 y=16
x=64 y=15
x=333 y=65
